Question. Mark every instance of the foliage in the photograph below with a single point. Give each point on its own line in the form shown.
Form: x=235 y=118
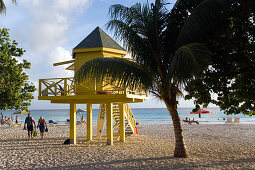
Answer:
x=3 y=7
x=231 y=74
x=15 y=89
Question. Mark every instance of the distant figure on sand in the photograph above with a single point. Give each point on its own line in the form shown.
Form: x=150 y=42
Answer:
x=12 y=118
x=17 y=120
x=29 y=121
x=83 y=120
x=186 y=120
x=190 y=121
x=2 y=118
x=42 y=125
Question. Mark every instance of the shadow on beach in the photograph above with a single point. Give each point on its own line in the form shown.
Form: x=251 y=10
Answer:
x=144 y=163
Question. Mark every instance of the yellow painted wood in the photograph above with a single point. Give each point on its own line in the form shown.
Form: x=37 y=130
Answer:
x=64 y=62
x=82 y=50
x=94 y=101
x=55 y=89
x=57 y=78
x=89 y=121
x=73 y=123
x=48 y=86
x=88 y=87
x=95 y=97
x=130 y=118
x=71 y=67
x=40 y=87
x=82 y=56
x=58 y=87
x=109 y=124
x=122 y=122
x=65 y=87
x=101 y=120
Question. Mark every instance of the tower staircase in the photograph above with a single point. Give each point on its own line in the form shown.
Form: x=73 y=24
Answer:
x=130 y=123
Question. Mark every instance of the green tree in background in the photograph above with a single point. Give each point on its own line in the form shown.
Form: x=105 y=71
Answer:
x=3 y=7
x=16 y=91
x=231 y=40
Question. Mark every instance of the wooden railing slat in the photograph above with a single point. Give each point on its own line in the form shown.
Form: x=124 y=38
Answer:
x=67 y=87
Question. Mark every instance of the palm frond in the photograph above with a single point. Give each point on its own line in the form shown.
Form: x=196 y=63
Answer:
x=126 y=73
x=140 y=27
x=134 y=43
x=2 y=7
x=203 y=21
x=189 y=60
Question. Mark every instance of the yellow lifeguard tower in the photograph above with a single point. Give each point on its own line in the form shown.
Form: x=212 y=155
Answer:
x=113 y=100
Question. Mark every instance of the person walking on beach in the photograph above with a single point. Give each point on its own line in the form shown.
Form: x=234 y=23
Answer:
x=42 y=125
x=30 y=122
x=17 y=120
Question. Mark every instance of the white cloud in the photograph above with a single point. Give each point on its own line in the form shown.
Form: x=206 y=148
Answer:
x=50 y=20
x=59 y=54
x=45 y=31
x=67 y=5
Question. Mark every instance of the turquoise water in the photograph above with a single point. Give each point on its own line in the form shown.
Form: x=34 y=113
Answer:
x=145 y=115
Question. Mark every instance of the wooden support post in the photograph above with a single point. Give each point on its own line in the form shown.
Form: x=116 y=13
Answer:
x=65 y=87
x=40 y=87
x=109 y=124
x=72 y=123
x=89 y=121
x=55 y=87
x=122 y=122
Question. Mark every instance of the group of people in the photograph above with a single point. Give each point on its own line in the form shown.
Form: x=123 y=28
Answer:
x=9 y=120
x=30 y=124
x=187 y=120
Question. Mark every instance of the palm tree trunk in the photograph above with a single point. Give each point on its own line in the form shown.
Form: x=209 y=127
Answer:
x=171 y=104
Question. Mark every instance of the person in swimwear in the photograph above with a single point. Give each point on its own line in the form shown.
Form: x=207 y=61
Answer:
x=42 y=125
x=30 y=128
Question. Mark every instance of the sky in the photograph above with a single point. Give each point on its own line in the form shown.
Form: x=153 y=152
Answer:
x=49 y=29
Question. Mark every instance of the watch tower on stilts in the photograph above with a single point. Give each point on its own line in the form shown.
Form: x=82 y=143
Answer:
x=113 y=100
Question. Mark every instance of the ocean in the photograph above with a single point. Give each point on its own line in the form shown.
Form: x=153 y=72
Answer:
x=145 y=115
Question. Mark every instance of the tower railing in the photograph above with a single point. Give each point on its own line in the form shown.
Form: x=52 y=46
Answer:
x=130 y=117
x=68 y=87
x=57 y=87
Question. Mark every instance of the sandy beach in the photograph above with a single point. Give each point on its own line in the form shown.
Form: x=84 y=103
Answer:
x=209 y=147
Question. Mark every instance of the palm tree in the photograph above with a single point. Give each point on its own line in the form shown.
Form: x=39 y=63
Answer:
x=150 y=34
x=3 y=7
x=164 y=61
